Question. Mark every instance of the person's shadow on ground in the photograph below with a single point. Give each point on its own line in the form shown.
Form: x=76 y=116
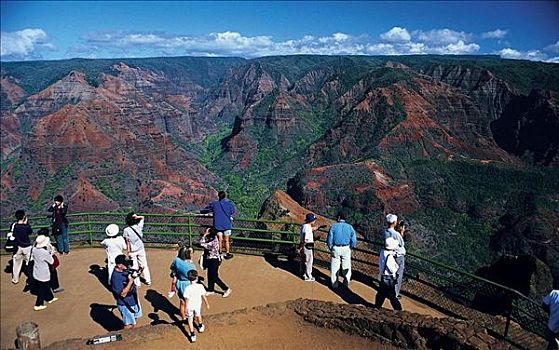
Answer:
x=292 y=266
x=160 y=303
x=102 y=275
x=104 y=315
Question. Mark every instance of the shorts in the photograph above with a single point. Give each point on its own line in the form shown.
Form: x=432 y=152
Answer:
x=191 y=312
x=226 y=233
x=129 y=317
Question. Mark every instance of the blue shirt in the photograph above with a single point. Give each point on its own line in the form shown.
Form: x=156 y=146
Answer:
x=222 y=211
x=552 y=300
x=341 y=233
x=118 y=282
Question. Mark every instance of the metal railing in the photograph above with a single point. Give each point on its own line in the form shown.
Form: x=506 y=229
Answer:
x=505 y=312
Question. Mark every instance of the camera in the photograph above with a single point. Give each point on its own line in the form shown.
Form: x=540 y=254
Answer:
x=134 y=273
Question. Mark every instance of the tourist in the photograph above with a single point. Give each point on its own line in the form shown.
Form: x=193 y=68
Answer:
x=21 y=231
x=341 y=239
x=60 y=224
x=124 y=292
x=551 y=303
x=397 y=232
x=388 y=270
x=307 y=246
x=194 y=294
x=223 y=211
x=180 y=267
x=133 y=234
x=212 y=260
x=54 y=282
x=114 y=246
x=42 y=259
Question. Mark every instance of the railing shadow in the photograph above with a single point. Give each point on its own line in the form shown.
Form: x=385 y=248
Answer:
x=160 y=303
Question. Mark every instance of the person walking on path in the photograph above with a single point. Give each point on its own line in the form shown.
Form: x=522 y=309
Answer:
x=21 y=231
x=54 y=281
x=180 y=267
x=392 y=221
x=60 y=223
x=212 y=260
x=551 y=303
x=307 y=246
x=223 y=211
x=42 y=259
x=341 y=239
x=194 y=294
x=114 y=246
x=388 y=269
x=133 y=234
x=125 y=293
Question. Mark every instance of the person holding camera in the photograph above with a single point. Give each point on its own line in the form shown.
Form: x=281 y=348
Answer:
x=124 y=291
x=388 y=271
x=21 y=231
x=397 y=231
x=60 y=223
x=133 y=234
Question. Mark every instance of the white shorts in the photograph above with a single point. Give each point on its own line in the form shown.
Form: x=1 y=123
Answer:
x=193 y=312
x=226 y=232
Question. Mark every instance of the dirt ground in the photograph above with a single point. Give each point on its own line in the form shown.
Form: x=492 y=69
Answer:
x=86 y=307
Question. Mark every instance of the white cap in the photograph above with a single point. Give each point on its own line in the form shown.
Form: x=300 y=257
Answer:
x=112 y=230
x=391 y=218
x=391 y=244
x=42 y=241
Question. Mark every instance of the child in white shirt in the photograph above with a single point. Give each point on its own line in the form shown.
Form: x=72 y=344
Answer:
x=114 y=246
x=194 y=294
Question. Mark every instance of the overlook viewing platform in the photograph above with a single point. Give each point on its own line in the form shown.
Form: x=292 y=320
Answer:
x=263 y=272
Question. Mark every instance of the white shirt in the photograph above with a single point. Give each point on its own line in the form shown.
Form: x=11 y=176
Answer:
x=306 y=233
x=387 y=258
x=194 y=293
x=114 y=247
x=552 y=299
x=136 y=244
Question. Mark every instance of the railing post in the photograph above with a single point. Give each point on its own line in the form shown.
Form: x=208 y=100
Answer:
x=189 y=232
x=89 y=229
x=509 y=312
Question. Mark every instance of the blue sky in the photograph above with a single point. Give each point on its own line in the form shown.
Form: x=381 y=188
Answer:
x=32 y=30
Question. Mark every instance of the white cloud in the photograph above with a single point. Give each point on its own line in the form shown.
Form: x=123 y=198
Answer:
x=441 y=36
x=495 y=34
x=554 y=48
x=24 y=44
x=532 y=55
x=396 y=34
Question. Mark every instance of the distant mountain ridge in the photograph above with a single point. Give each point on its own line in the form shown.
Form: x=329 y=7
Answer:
x=366 y=135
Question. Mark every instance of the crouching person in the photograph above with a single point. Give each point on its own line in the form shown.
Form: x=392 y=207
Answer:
x=124 y=291
x=388 y=278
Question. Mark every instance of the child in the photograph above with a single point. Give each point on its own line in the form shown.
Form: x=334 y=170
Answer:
x=194 y=294
x=114 y=246
x=388 y=277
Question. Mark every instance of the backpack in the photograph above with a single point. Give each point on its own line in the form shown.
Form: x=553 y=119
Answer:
x=10 y=245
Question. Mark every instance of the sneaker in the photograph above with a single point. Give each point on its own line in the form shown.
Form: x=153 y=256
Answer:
x=312 y=279
x=210 y=293
x=148 y=283
x=228 y=256
x=15 y=282
x=58 y=290
x=193 y=338
x=227 y=293
x=171 y=294
x=39 y=308
x=52 y=300
x=201 y=328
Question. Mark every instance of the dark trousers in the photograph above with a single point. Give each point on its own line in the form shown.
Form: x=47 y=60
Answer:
x=213 y=275
x=387 y=291
x=553 y=339
x=54 y=284
x=44 y=293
